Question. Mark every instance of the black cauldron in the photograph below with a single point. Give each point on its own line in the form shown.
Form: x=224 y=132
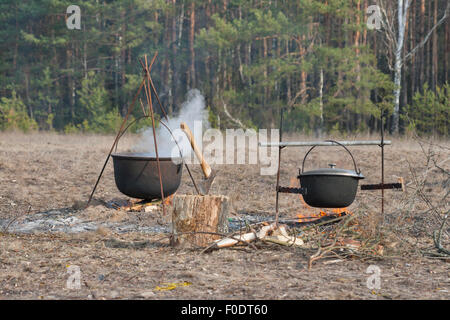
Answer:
x=136 y=175
x=330 y=187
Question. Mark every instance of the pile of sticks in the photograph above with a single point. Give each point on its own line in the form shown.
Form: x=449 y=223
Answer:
x=337 y=238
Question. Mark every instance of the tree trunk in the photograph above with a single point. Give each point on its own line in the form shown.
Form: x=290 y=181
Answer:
x=70 y=82
x=191 y=46
x=320 y=127
x=358 y=66
x=303 y=74
x=27 y=92
x=288 y=80
x=435 y=48
x=266 y=89
x=194 y=214
x=422 y=50
x=402 y=14
x=412 y=35
x=429 y=47
x=446 y=51
x=84 y=52
x=16 y=42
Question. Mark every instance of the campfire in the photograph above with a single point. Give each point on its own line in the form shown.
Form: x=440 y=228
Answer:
x=309 y=214
x=136 y=205
x=339 y=212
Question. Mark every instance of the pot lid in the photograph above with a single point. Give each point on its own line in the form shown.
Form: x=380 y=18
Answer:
x=333 y=172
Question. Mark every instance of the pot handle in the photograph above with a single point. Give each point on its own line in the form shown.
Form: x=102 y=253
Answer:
x=333 y=141
x=140 y=118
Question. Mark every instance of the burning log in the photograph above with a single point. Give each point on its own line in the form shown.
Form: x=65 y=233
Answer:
x=199 y=220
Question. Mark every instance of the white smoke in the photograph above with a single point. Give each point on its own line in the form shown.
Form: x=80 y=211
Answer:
x=193 y=112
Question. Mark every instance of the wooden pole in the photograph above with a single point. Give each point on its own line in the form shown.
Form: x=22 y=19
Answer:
x=149 y=101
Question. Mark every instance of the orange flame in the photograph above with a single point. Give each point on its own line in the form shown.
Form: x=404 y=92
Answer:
x=168 y=200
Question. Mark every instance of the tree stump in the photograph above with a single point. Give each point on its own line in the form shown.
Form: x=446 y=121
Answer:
x=197 y=213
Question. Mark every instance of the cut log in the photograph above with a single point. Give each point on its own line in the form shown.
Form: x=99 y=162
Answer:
x=193 y=216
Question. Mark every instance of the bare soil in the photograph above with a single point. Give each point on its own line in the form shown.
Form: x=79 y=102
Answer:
x=126 y=255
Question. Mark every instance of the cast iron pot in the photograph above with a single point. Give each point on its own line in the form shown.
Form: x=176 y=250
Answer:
x=330 y=187
x=136 y=175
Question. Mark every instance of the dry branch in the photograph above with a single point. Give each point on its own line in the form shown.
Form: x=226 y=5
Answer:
x=438 y=235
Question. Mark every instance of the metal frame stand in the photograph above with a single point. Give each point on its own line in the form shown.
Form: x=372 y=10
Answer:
x=281 y=145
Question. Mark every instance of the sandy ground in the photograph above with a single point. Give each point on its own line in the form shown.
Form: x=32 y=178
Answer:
x=43 y=175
